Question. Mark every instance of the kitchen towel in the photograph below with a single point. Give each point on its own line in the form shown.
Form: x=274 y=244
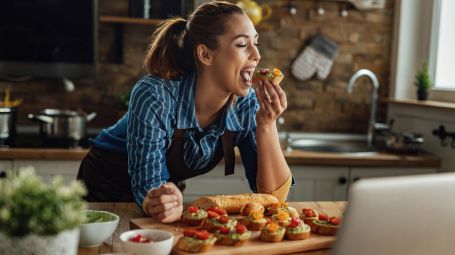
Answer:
x=317 y=57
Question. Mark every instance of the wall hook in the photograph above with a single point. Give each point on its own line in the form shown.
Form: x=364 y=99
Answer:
x=292 y=9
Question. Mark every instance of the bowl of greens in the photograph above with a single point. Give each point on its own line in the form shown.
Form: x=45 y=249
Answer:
x=97 y=227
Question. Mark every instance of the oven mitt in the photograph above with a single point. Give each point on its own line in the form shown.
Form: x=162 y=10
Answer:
x=317 y=57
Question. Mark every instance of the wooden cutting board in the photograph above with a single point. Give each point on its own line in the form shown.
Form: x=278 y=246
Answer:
x=254 y=245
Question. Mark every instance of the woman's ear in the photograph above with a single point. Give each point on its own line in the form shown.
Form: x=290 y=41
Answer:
x=204 y=55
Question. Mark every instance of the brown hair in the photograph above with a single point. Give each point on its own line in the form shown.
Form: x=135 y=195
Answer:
x=172 y=49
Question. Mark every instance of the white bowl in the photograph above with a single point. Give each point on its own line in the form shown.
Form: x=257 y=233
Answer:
x=94 y=233
x=161 y=245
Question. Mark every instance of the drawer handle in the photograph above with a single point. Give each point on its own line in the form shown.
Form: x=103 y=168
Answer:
x=2 y=174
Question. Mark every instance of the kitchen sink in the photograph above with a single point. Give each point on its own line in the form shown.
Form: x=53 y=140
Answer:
x=355 y=147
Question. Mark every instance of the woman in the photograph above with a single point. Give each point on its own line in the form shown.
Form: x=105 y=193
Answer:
x=193 y=108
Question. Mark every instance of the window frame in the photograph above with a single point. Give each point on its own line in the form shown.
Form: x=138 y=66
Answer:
x=437 y=94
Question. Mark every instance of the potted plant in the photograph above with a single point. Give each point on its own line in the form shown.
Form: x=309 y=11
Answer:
x=39 y=218
x=423 y=82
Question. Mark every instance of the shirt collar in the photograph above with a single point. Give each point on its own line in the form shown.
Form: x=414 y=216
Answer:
x=186 y=109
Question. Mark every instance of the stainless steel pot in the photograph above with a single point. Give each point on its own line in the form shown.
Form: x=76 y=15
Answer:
x=62 y=125
x=7 y=126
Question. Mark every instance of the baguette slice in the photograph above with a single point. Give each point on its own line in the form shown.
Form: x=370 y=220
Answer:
x=234 y=203
x=274 y=75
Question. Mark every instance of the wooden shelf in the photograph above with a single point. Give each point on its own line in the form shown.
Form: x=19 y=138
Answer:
x=129 y=21
x=416 y=103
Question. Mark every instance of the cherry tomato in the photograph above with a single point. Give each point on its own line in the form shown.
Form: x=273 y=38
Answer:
x=223 y=219
x=190 y=232
x=224 y=230
x=217 y=210
x=202 y=235
x=264 y=71
x=212 y=214
x=335 y=221
x=308 y=212
x=192 y=209
x=323 y=217
x=240 y=229
x=294 y=222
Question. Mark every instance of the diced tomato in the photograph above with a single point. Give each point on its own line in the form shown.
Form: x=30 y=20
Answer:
x=224 y=230
x=190 y=232
x=136 y=238
x=212 y=214
x=223 y=219
x=295 y=222
x=264 y=71
x=202 y=235
x=323 y=217
x=240 y=229
x=335 y=221
x=192 y=209
x=139 y=239
x=308 y=212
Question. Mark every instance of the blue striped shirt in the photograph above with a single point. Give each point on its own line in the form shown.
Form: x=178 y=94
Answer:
x=159 y=106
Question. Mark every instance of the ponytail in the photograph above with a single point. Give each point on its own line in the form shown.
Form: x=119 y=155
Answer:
x=166 y=55
x=171 y=51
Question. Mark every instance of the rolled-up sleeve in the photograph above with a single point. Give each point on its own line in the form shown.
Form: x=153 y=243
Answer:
x=146 y=142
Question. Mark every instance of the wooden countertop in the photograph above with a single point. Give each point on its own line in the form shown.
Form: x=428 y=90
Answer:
x=293 y=158
x=127 y=211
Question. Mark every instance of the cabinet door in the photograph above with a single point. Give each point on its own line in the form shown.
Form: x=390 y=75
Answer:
x=215 y=182
x=319 y=183
x=5 y=165
x=47 y=169
x=371 y=172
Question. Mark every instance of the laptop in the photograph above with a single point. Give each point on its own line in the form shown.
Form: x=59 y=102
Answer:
x=407 y=215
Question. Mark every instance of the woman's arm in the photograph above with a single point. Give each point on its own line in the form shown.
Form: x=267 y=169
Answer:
x=273 y=171
x=146 y=156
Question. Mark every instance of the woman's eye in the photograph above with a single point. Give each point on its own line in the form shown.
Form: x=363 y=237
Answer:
x=241 y=45
x=257 y=44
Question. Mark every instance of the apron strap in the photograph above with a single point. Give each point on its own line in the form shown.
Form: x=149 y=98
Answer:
x=228 y=150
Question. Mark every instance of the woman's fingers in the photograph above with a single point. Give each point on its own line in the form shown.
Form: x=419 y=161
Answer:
x=160 y=208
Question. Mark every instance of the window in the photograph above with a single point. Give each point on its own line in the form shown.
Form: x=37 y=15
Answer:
x=442 y=52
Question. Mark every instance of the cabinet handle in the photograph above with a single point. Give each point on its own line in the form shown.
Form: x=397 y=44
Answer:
x=2 y=174
x=342 y=180
x=356 y=179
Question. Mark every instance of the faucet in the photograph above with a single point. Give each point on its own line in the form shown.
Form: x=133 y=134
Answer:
x=374 y=98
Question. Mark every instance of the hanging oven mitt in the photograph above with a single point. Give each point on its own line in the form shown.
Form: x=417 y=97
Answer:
x=317 y=57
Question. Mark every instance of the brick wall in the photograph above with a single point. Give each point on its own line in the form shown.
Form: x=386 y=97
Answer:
x=314 y=106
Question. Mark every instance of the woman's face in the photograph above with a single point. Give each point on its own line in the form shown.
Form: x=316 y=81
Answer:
x=237 y=56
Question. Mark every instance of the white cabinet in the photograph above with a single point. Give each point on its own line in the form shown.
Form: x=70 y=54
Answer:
x=50 y=168
x=215 y=182
x=319 y=183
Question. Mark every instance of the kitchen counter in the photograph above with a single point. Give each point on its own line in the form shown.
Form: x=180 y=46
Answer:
x=293 y=158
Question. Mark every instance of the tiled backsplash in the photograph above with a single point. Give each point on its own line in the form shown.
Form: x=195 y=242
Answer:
x=364 y=38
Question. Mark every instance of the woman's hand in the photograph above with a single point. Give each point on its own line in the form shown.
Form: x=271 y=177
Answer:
x=165 y=204
x=272 y=102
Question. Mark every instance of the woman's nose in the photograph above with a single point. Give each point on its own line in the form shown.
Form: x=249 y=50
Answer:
x=255 y=54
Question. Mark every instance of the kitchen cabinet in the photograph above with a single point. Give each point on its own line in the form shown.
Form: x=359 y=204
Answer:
x=314 y=183
x=47 y=169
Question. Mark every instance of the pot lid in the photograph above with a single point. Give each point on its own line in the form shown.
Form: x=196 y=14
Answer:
x=61 y=113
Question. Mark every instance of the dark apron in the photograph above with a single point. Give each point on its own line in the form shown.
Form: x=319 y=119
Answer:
x=105 y=173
